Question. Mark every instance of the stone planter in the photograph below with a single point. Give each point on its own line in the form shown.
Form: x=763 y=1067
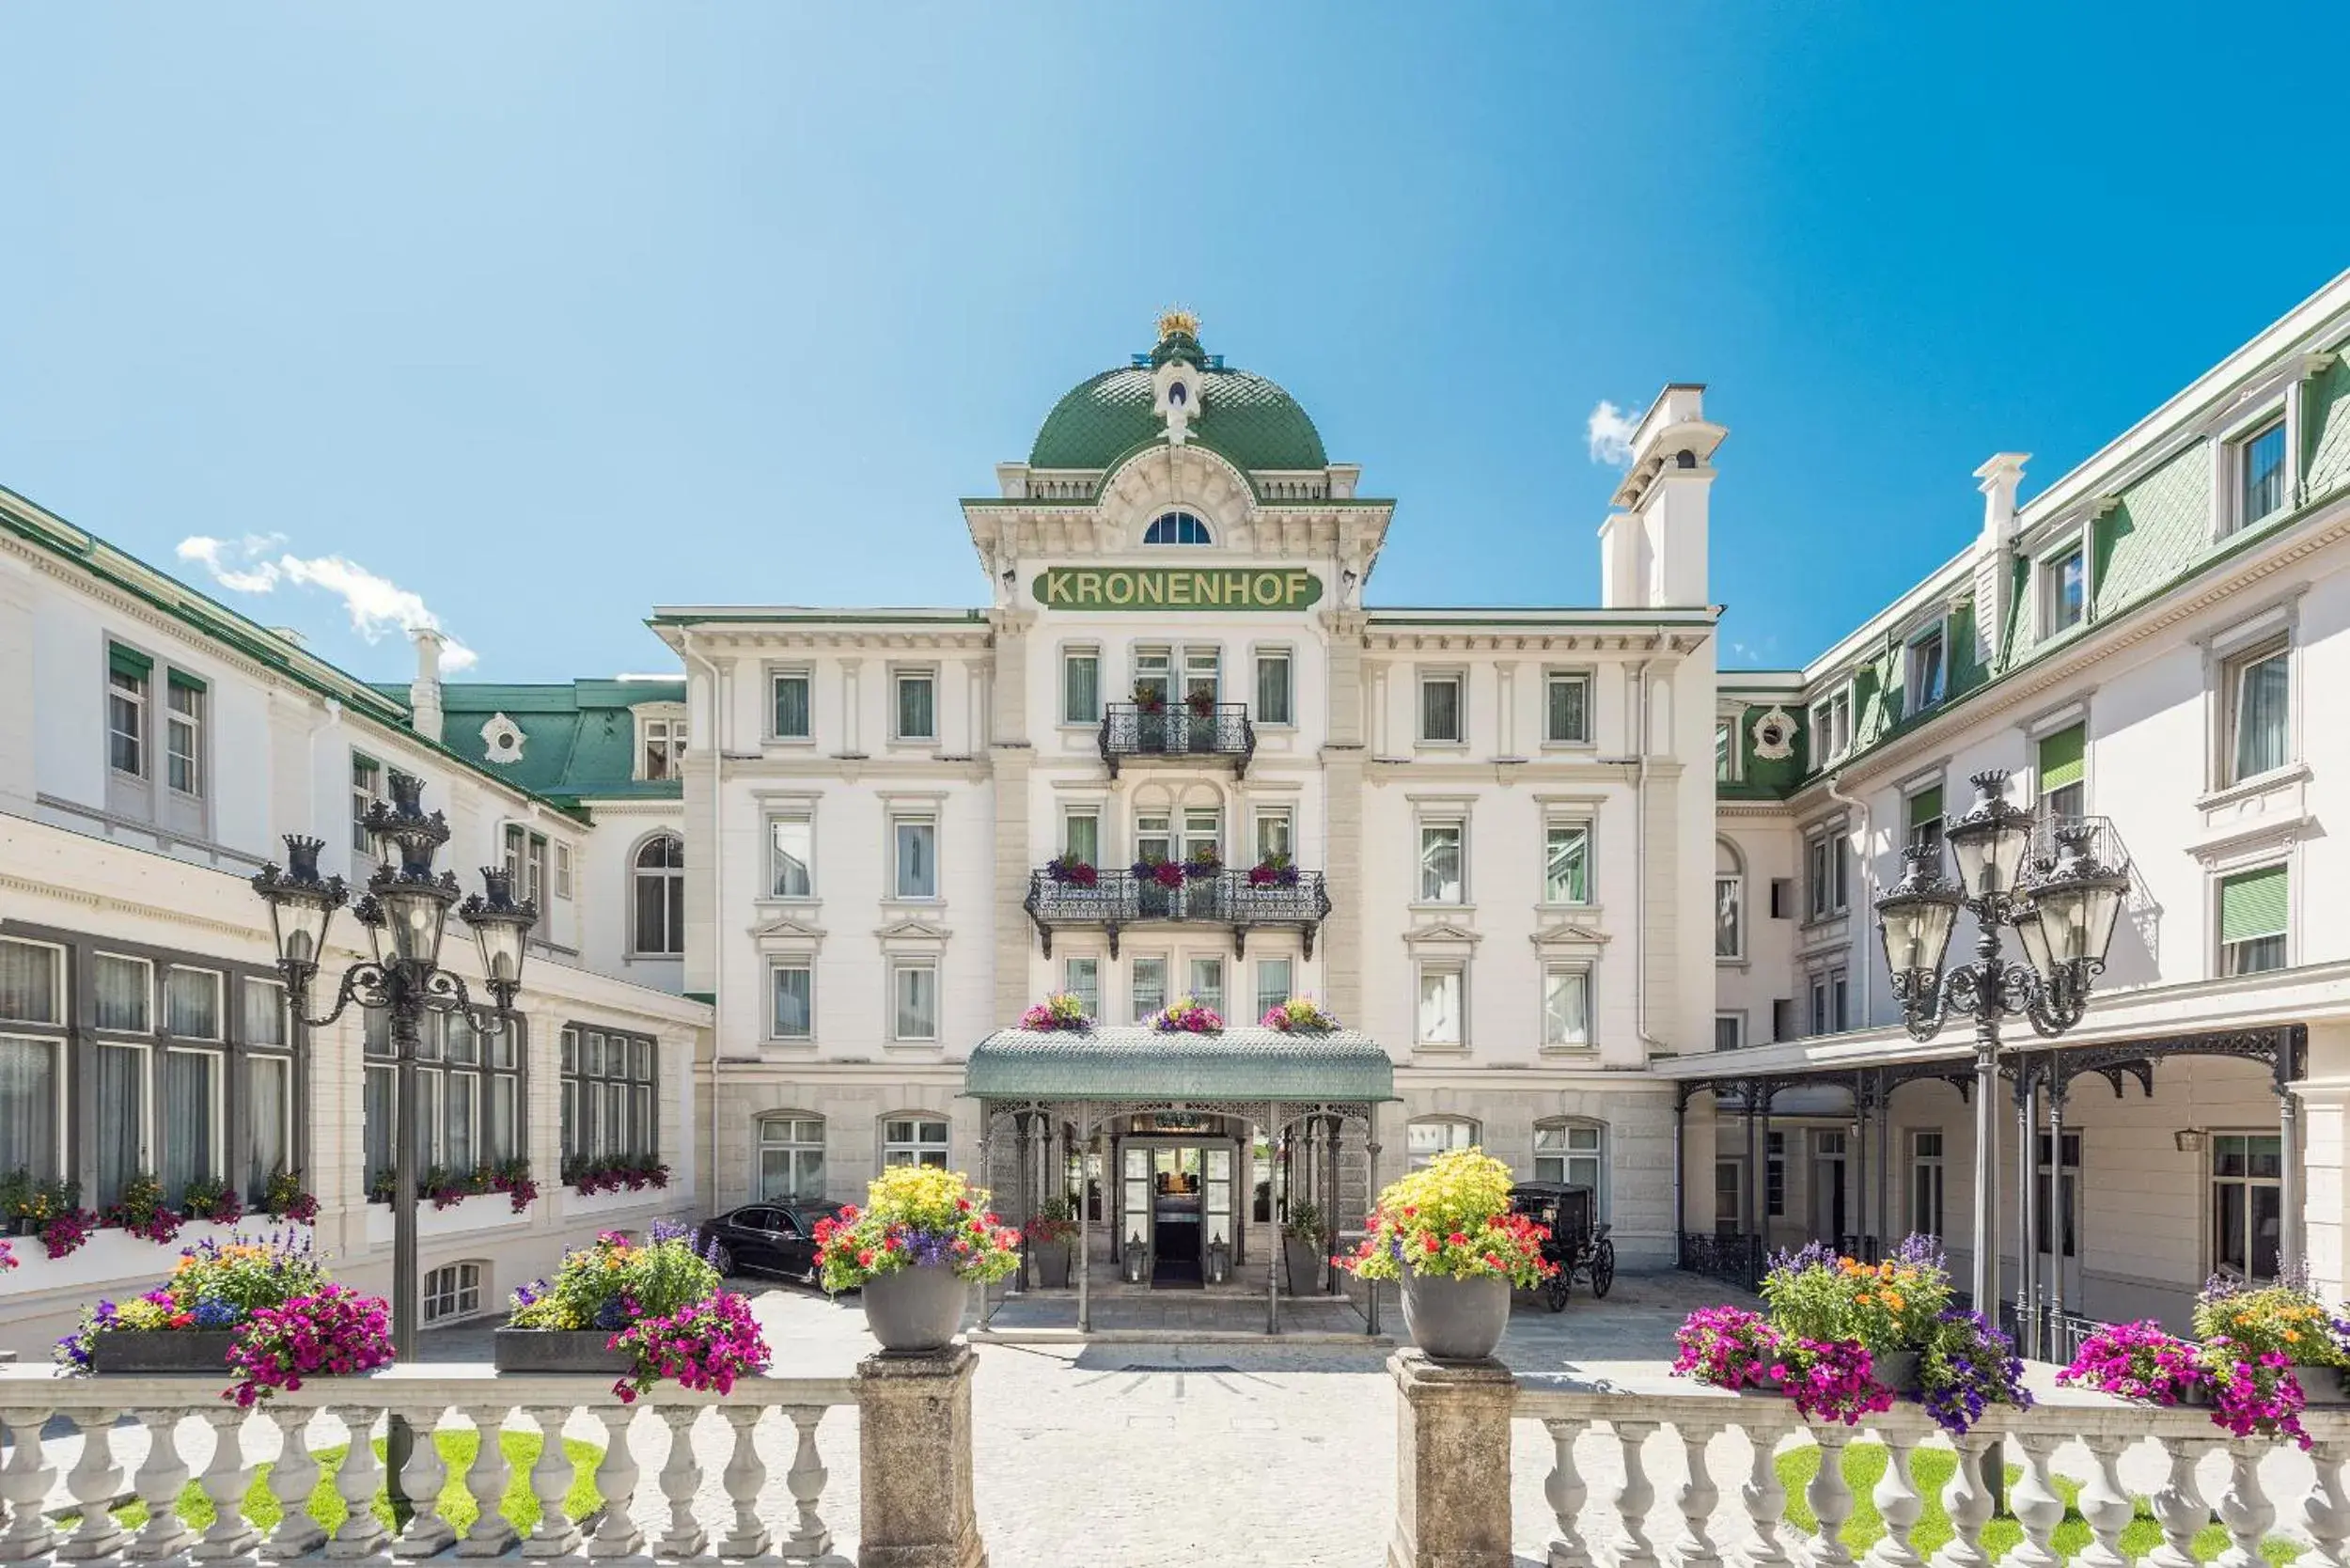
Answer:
x=558 y=1350
x=162 y=1350
x=1051 y=1260
x=1456 y=1320
x=1301 y=1261
x=915 y=1309
x=1898 y=1370
x=2323 y=1387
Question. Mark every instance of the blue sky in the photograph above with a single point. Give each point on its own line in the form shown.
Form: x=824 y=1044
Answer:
x=532 y=316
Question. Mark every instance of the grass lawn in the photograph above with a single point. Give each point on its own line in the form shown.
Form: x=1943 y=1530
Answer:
x=457 y=1448
x=1931 y=1470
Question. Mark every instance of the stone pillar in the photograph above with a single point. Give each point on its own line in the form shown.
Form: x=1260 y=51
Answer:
x=1340 y=943
x=914 y=1452
x=1451 y=1440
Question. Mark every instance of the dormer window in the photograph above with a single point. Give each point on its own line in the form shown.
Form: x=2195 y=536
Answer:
x=1928 y=672
x=1832 y=727
x=660 y=746
x=2063 y=590
x=2260 y=474
x=1177 y=527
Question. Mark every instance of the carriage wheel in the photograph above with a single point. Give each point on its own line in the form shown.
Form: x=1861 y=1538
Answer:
x=1602 y=1269
x=1554 y=1290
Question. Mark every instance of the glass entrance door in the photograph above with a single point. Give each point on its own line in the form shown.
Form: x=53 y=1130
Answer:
x=1175 y=1215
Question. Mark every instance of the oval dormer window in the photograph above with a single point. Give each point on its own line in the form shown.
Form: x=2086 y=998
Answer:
x=1176 y=394
x=1177 y=527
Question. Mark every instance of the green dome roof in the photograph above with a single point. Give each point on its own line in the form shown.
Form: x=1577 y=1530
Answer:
x=1244 y=417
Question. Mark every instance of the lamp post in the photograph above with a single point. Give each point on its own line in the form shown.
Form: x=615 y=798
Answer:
x=404 y=912
x=2063 y=914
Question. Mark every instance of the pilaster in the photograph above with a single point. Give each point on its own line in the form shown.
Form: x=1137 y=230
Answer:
x=913 y=1449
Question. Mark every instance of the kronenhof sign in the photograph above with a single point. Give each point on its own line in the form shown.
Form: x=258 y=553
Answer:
x=1176 y=587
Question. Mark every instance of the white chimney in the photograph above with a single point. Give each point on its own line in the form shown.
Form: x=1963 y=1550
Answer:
x=1653 y=550
x=424 y=692
x=1994 y=579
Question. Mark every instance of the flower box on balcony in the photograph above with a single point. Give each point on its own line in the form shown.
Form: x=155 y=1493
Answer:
x=162 y=1350
x=558 y=1350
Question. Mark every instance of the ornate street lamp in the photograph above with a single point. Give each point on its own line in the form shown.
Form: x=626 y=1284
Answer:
x=2063 y=913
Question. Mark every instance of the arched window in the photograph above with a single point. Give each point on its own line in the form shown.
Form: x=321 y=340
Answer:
x=1431 y=1135
x=1566 y=1150
x=792 y=1157
x=660 y=874
x=914 y=1140
x=1730 y=902
x=1177 y=527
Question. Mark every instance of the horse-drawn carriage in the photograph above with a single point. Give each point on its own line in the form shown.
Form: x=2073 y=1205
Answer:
x=1577 y=1244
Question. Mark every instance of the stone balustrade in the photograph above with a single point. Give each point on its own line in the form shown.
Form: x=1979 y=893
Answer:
x=1454 y=1433
x=716 y=1490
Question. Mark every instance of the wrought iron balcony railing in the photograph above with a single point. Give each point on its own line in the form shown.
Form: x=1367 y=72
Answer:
x=1177 y=732
x=1114 y=900
x=2105 y=844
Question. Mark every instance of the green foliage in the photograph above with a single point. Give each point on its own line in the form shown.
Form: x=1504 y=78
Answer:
x=2279 y=1320
x=1304 y=1222
x=615 y=1282
x=1887 y=1306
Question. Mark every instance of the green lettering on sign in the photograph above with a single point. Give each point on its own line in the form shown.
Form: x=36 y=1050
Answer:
x=1182 y=587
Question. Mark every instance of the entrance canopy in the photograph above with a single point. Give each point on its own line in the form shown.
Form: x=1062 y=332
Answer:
x=1143 y=1064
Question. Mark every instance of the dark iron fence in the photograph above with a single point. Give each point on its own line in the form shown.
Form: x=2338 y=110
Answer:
x=1118 y=897
x=1178 y=729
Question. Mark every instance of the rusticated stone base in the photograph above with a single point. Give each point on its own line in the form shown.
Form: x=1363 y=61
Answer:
x=1451 y=1463
x=913 y=1446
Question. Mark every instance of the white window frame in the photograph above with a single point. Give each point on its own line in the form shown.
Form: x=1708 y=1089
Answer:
x=1572 y=1152
x=1568 y=677
x=220 y=1001
x=1736 y=883
x=638 y=873
x=1920 y=1164
x=1287 y=968
x=1456 y=1127
x=804 y=962
x=452 y=1292
x=1457 y=678
x=1728 y=754
x=562 y=868
x=1069 y=652
x=793 y=1144
x=2224 y=965
x=1737 y=1022
x=141 y=700
x=146 y=1027
x=902 y=972
x=1070 y=970
x=197 y=722
x=898 y=676
x=2212 y=1179
x=1828 y=885
x=61 y=998
x=898 y=893
x=661 y=726
x=1423 y=825
x=2235 y=466
x=803 y=816
x=1166 y=982
x=363 y=796
x=1553 y=1038
x=1084 y=811
x=1258 y=656
x=1423 y=970
x=1831 y=726
x=1285 y=818
x=2235 y=664
x=909 y=1147
x=1564 y=821
x=1913 y=698
x=2048 y=583
x=806 y=676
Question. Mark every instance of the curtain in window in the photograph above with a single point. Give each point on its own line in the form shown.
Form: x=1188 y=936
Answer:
x=1566 y=711
x=28 y=984
x=1273 y=688
x=917 y=866
x=1726 y=892
x=791 y=706
x=191 y=1101
x=123 y=1000
x=1081 y=688
x=1440 y=711
x=1273 y=983
x=915 y=710
x=1440 y=864
x=2261 y=696
x=264 y=1013
x=499 y=1143
x=793 y=1013
x=121 y=1118
x=269 y=1104
x=917 y=1003
x=191 y=1004
x=1564 y=1010
x=29 y=1105
x=427 y=1117
x=457 y=1146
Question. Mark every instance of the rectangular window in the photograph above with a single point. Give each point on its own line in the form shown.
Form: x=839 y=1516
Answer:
x=190 y=1116
x=914 y=1140
x=2070 y=1178
x=1925 y=1182
x=1730 y=922
x=914 y=989
x=192 y=1003
x=128 y=673
x=1081 y=685
x=1925 y=818
x=1566 y=709
x=451 y=1291
x=1440 y=862
x=462 y=1110
x=1783 y=1018
x=183 y=733
x=1567 y=1008
x=1424 y=1140
x=562 y=871
x=1828 y=992
x=1832 y=727
x=917 y=856
x=1568 y=1152
x=263 y=1011
x=123 y=1131
x=1276 y=983
x=380 y=1112
x=1207 y=982
x=1440 y=708
x=918 y=706
x=1081 y=977
x=1439 y=1021
x=1782 y=898
x=788 y=690
x=792 y=857
x=1081 y=836
x=31 y=1109
x=2261 y=474
x=125 y=994
x=31 y=982
x=2064 y=591
x=1272 y=832
x=2064 y=772
x=1147 y=983
x=2253 y=910
x=2258 y=693
x=501 y=1135
x=1726 y=756
x=608 y=1100
x=790 y=1157
x=1825 y=864
x=1775 y=1174
x=664 y=747
x=367 y=788
x=1729 y=1031
x=795 y=1014
x=1273 y=688
x=1567 y=863
x=2247 y=1204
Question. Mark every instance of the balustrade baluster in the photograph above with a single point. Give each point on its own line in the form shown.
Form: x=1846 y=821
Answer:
x=1967 y=1501
x=2035 y=1505
x=93 y=1483
x=293 y=1477
x=2243 y=1508
x=2325 y=1512
x=1831 y=1500
x=226 y=1477
x=1897 y=1499
x=360 y=1477
x=23 y=1483
x=2105 y=1505
x=1698 y=1496
x=744 y=1477
x=162 y=1475
x=615 y=1480
x=491 y=1531
x=680 y=1478
x=421 y=1480
x=557 y=1532
x=2179 y=1507
x=1766 y=1497
x=1635 y=1496
x=805 y=1482
x=1564 y=1491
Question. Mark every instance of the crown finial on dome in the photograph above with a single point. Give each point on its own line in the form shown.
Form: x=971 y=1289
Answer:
x=1178 y=322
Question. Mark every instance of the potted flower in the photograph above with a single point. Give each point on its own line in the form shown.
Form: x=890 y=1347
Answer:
x=287 y=1199
x=2139 y=1361
x=1274 y=871
x=1047 y=1235
x=1202 y=701
x=1157 y=880
x=1202 y=861
x=29 y=1203
x=1183 y=1015
x=1890 y=1309
x=67 y=1231
x=1449 y=1234
x=512 y=1178
x=1730 y=1347
x=924 y=1236
x=332 y=1332
x=1302 y=1236
x=1298 y=1015
x=208 y=1198
x=587 y=1318
x=1062 y=1011
x=192 y=1321
x=143 y=1211
x=7 y=1257
x=2239 y=1325
x=1967 y=1365
x=1149 y=698
x=1070 y=870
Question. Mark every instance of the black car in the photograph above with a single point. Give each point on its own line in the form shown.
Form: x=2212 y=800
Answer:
x=764 y=1238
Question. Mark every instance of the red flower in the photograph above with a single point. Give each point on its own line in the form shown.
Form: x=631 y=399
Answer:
x=1432 y=1244
x=1456 y=1239
x=963 y=1205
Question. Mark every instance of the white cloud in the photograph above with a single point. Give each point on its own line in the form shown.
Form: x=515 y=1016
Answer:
x=1609 y=433
x=377 y=604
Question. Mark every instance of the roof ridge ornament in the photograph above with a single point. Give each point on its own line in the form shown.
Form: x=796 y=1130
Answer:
x=1178 y=374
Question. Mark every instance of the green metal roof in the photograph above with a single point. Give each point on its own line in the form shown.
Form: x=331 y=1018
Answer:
x=1243 y=416
x=1136 y=1064
x=579 y=739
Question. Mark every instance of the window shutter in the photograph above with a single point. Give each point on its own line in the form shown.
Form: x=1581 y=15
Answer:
x=1925 y=807
x=187 y=683
x=128 y=661
x=2063 y=758
x=2253 y=906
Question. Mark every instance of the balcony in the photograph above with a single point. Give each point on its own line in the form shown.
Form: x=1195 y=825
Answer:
x=1118 y=899
x=1178 y=732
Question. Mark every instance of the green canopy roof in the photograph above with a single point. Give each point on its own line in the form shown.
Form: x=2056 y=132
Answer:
x=1134 y=1063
